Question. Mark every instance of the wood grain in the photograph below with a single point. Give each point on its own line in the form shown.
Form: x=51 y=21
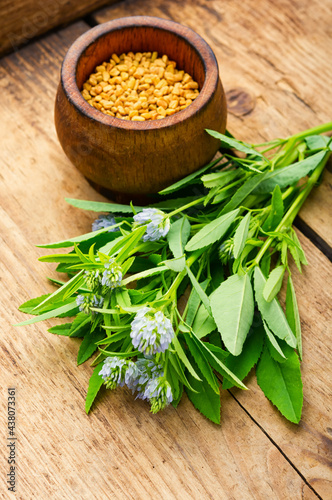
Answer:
x=23 y=20
x=309 y=445
x=273 y=64
x=120 y=450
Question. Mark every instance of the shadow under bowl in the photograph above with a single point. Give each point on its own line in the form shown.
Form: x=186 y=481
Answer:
x=131 y=158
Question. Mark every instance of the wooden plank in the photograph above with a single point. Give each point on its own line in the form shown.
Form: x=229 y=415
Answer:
x=23 y=20
x=307 y=446
x=120 y=450
x=272 y=60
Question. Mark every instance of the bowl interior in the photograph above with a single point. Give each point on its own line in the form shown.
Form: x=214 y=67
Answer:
x=141 y=39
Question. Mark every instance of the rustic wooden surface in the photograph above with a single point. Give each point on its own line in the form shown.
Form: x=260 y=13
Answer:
x=23 y=20
x=121 y=450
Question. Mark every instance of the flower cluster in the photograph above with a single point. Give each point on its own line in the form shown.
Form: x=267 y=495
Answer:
x=144 y=377
x=85 y=302
x=104 y=221
x=112 y=274
x=151 y=332
x=157 y=224
x=106 y=278
x=117 y=371
x=226 y=250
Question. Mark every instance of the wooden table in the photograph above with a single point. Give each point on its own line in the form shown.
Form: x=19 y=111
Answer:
x=275 y=64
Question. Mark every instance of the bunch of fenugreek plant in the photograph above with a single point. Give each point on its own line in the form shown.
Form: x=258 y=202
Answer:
x=226 y=246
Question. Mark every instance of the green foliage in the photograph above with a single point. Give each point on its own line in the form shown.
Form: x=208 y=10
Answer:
x=213 y=246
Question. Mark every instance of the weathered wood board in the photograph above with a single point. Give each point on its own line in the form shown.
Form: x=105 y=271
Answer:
x=272 y=61
x=23 y=20
x=120 y=450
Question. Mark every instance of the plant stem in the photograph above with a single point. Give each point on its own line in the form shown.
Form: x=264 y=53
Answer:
x=184 y=207
x=294 y=209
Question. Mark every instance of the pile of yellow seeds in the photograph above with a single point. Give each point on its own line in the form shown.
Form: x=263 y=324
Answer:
x=139 y=87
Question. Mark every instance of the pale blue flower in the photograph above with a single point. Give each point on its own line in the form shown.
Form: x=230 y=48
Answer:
x=157 y=225
x=151 y=332
x=104 y=221
x=159 y=392
x=117 y=371
x=112 y=274
x=85 y=302
x=147 y=369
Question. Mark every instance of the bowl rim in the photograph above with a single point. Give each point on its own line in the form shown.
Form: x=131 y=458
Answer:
x=81 y=44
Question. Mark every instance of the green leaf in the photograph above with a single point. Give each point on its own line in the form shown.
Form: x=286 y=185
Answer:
x=241 y=235
x=203 y=324
x=61 y=329
x=234 y=144
x=67 y=258
x=220 y=179
x=277 y=211
x=274 y=348
x=281 y=383
x=182 y=356
x=100 y=206
x=212 y=232
x=272 y=312
x=54 y=313
x=243 y=192
x=32 y=304
x=201 y=293
x=89 y=346
x=317 y=141
x=178 y=235
x=79 y=239
x=194 y=302
x=175 y=362
x=186 y=180
x=217 y=363
x=292 y=314
x=130 y=244
x=204 y=399
x=176 y=265
x=242 y=364
x=80 y=325
x=200 y=360
x=95 y=383
x=73 y=284
x=144 y=274
x=232 y=307
x=290 y=175
x=274 y=282
x=122 y=297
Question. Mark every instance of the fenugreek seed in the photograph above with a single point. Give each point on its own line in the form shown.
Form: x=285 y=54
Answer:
x=162 y=103
x=161 y=84
x=139 y=73
x=138 y=119
x=139 y=87
x=173 y=104
x=133 y=113
x=92 y=80
x=114 y=72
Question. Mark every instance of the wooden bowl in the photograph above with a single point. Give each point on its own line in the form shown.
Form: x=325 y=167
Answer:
x=137 y=158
